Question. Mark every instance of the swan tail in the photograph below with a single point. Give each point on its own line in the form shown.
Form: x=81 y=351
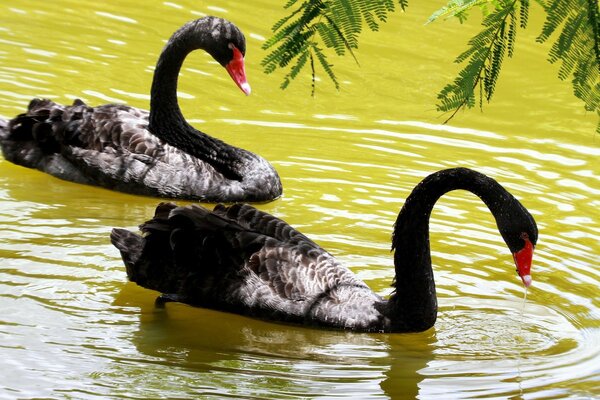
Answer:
x=130 y=245
x=148 y=258
x=35 y=123
x=181 y=249
x=41 y=131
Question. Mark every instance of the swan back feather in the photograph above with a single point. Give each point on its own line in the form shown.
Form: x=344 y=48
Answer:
x=243 y=260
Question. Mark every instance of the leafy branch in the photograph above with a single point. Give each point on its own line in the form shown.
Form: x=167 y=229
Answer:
x=317 y=24
x=577 y=46
x=485 y=54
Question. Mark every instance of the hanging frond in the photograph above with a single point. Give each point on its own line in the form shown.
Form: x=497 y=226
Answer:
x=577 y=46
x=324 y=64
x=485 y=54
x=524 y=13
x=295 y=70
x=315 y=26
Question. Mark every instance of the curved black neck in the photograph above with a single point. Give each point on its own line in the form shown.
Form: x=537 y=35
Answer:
x=167 y=121
x=413 y=305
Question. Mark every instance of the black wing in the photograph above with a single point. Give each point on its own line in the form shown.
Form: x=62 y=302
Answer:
x=236 y=258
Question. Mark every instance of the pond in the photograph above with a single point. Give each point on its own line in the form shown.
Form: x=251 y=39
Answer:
x=71 y=325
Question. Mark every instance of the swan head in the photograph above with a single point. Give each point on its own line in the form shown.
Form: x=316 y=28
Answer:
x=519 y=230
x=523 y=258
x=227 y=45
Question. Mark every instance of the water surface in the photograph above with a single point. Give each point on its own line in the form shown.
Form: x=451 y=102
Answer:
x=73 y=327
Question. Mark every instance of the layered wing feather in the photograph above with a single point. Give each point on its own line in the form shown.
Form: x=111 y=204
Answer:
x=239 y=259
x=109 y=146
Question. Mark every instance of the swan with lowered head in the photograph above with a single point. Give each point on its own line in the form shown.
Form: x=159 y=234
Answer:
x=156 y=153
x=243 y=260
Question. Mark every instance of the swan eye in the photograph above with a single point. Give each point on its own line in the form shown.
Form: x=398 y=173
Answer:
x=231 y=46
x=524 y=235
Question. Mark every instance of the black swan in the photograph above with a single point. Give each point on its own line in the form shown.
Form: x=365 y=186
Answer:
x=243 y=260
x=157 y=153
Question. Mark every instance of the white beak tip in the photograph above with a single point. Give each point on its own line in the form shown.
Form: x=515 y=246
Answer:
x=246 y=88
x=526 y=280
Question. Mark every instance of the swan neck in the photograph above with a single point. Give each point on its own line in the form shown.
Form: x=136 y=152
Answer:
x=165 y=114
x=166 y=120
x=413 y=304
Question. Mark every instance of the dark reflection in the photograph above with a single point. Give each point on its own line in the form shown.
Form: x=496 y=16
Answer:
x=36 y=195
x=248 y=357
x=408 y=355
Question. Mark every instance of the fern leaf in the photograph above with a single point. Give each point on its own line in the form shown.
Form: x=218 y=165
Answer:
x=594 y=23
x=524 y=13
x=290 y=3
x=344 y=38
x=331 y=38
x=295 y=69
x=315 y=26
x=322 y=58
x=484 y=60
x=512 y=34
x=577 y=46
x=344 y=17
x=557 y=10
x=370 y=20
x=285 y=19
x=372 y=12
x=497 y=56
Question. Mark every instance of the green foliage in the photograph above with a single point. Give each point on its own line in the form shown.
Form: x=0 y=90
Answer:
x=577 y=46
x=317 y=24
x=485 y=54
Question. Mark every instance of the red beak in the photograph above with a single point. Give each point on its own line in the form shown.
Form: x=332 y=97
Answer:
x=523 y=260
x=237 y=71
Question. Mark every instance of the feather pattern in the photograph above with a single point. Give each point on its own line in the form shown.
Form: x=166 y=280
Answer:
x=241 y=259
x=117 y=146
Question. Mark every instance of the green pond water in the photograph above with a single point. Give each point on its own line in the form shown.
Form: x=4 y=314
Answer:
x=71 y=326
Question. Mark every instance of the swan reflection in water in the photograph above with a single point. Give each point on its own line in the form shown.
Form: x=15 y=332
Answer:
x=234 y=355
x=245 y=357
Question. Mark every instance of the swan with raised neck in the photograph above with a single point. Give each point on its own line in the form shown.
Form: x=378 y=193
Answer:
x=158 y=153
